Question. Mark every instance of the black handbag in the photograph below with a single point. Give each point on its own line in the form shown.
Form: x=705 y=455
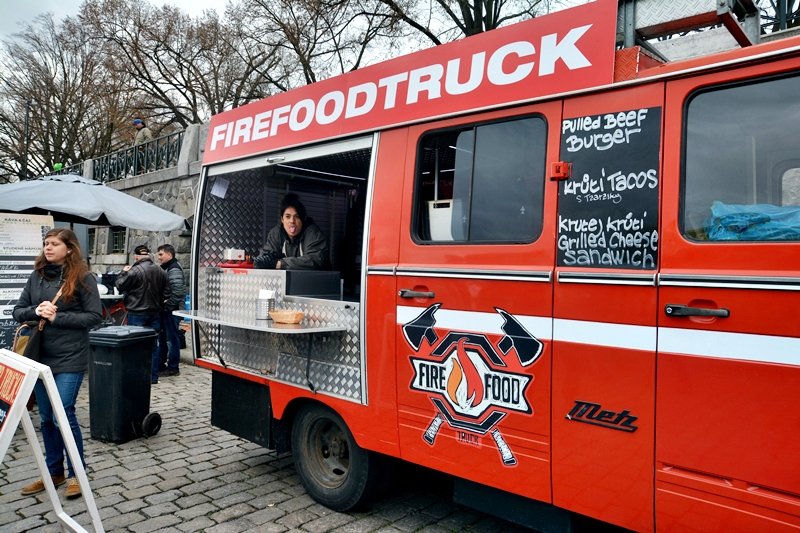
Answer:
x=32 y=348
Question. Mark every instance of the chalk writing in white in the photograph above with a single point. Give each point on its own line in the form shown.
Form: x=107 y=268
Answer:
x=602 y=132
x=607 y=241
x=593 y=189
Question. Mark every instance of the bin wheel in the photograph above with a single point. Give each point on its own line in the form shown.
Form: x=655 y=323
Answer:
x=151 y=424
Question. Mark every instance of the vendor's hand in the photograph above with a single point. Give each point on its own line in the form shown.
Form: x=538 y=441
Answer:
x=126 y=268
x=268 y=259
x=279 y=265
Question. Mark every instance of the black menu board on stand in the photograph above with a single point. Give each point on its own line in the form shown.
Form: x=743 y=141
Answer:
x=21 y=239
x=608 y=208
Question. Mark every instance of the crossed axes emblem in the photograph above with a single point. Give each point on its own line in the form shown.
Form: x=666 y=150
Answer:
x=526 y=347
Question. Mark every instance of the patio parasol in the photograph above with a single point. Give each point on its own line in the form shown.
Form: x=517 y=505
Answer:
x=72 y=198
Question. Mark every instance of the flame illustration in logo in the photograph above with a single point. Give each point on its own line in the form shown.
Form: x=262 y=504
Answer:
x=464 y=374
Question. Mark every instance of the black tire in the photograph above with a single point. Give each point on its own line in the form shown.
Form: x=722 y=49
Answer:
x=335 y=471
x=151 y=424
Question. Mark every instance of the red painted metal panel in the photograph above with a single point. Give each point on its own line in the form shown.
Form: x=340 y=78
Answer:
x=726 y=406
x=604 y=470
x=600 y=467
x=499 y=441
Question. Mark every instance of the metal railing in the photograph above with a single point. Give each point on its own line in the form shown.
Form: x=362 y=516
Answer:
x=147 y=157
x=77 y=168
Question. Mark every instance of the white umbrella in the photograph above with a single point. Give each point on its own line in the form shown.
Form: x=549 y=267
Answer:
x=72 y=198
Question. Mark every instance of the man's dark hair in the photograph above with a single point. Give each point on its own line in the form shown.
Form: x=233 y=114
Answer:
x=167 y=248
x=292 y=200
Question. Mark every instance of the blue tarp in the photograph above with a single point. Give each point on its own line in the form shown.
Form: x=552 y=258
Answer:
x=755 y=222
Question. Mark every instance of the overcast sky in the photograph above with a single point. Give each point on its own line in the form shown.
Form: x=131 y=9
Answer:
x=14 y=12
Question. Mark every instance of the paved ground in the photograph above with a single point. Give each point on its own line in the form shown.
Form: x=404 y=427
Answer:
x=194 y=477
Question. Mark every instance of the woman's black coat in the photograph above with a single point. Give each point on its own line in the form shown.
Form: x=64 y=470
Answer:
x=65 y=341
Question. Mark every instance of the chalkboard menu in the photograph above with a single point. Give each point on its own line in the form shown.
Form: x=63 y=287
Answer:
x=21 y=239
x=608 y=208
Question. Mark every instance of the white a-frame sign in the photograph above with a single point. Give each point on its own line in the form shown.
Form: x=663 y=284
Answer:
x=18 y=375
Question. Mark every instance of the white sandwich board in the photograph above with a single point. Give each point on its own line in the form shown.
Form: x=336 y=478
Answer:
x=18 y=375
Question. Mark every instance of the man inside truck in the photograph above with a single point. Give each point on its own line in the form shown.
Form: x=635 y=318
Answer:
x=296 y=242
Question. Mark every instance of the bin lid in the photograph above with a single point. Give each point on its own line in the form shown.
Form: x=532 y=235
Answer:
x=118 y=332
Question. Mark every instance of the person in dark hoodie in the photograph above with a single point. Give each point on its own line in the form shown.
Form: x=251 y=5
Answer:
x=65 y=342
x=296 y=242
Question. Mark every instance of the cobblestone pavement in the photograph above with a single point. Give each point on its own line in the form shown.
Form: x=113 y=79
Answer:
x=192 y=476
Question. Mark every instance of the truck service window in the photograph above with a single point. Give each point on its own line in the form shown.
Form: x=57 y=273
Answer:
x=241 y=205
x=741 y=163
x=482 y=183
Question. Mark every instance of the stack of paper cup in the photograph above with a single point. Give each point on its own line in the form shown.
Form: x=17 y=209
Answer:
x=265 y=303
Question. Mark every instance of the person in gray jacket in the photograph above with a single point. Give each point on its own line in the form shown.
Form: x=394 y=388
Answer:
x=296 y=242
x=65 y=342
x=145 y=287
x=170 y=347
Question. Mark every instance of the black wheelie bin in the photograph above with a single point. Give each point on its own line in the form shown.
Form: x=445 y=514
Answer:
x=119 y=383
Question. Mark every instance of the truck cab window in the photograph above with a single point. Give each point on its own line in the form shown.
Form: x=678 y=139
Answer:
x=741 y=180
x=482 y=183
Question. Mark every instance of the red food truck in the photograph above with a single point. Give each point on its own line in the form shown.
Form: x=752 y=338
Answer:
x=564 y=273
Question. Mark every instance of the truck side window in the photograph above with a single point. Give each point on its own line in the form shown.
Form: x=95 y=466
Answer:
x=741 y=180
x=482 y=183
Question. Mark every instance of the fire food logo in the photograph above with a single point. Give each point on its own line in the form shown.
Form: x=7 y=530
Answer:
x=467 y=376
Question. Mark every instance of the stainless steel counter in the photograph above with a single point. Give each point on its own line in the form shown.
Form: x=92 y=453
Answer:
x=323 y=352
x=269 y=326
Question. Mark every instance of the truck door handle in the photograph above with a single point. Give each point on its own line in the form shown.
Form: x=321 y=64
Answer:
x=408 y=293
x=683 y=310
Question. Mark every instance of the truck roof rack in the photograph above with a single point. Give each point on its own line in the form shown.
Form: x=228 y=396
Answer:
x=682 y=29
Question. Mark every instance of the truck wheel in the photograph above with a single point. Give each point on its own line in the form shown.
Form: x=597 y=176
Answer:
x=332 y=467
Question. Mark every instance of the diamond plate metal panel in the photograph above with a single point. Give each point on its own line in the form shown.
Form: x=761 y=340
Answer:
x=239 y=215
x=657 y=12
x=653 y=18
x=286 y=357
x=335 y=358
x=208 y=295
x=626 y=63
x=239 y=291
x=339 y=380
x=209 y=340
x=345 y=314
x=258 y=350
x=235 y=221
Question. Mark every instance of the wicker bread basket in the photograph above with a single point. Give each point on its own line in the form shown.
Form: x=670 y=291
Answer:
x=286 y=316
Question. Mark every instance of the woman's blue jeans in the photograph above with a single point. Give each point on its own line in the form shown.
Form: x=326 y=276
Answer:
x=68 y=385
